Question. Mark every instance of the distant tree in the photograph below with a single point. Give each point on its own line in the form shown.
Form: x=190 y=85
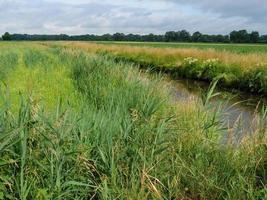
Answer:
x=241 y=36
x=204 y=38
x=6 y=36
x=118 y=36
x=254 y=37
x=151 y=37
x=226 y=38
x=133 y=37
x=233 y=36
x=220 y=38
x=170 y=36
x=179 y=36
x=196 y=36
x=183 y=36
x=106 y=37
x=263 y=39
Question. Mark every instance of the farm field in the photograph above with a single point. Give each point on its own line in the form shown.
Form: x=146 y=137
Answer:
x=235 y=48
x=81 y=121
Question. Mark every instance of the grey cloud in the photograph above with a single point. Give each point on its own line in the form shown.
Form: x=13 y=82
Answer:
x=253 y=10
x=88 y=16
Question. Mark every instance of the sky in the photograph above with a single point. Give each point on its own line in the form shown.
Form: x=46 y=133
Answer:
x=76 y=17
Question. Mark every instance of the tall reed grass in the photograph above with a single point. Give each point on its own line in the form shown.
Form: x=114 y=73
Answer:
x=124 y=139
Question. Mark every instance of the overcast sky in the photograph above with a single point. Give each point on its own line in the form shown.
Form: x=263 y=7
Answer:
x=131 y=16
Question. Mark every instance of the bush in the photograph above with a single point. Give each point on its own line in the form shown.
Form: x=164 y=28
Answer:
x=255 y=80
x=191 y=68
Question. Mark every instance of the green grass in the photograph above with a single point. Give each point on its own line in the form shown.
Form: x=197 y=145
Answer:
x=93 y=128
x=235 y=48
x=245 y=72
x=253 y=80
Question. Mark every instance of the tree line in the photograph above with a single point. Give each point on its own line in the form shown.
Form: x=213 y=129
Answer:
x=241 y=36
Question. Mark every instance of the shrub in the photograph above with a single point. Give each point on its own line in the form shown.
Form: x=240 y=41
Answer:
x=256 y=80
x=191 y=68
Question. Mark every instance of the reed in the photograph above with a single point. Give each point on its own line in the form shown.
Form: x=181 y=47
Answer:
x=114 y=133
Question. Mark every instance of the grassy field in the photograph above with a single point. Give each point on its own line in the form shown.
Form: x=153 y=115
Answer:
x=246 y=72
x=234 y=48
x=77 y=123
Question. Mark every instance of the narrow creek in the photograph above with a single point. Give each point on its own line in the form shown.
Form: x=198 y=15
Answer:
x=240 y=114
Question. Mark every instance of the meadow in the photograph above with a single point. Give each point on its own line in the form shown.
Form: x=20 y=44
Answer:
x=81 y=121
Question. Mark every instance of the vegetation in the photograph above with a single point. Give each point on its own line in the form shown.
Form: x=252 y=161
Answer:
x=241 y=36
x=6 y=36
x=80 y=125
x=234 y=48
x=244 y=72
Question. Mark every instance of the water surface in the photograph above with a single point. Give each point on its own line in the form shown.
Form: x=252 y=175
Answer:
x=240 y=114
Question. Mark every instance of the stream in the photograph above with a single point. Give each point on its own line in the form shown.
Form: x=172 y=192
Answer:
x=240 y=114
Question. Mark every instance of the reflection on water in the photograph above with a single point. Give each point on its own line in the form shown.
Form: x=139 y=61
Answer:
x=238 y=112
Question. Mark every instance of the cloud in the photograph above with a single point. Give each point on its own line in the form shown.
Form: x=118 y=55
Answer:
x=253 y=10
x=131 y=16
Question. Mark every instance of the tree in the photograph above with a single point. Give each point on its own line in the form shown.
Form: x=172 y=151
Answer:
x=107 y=37
x=263 y=39
x=196 y=36
x=118 y=36
x=150 y=37
x=254 y=37
x=170 y=36
x=241 y=36
x=183 y=36
x=6 y=36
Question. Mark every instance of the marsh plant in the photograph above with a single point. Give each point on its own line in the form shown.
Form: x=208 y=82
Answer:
x=108 y=131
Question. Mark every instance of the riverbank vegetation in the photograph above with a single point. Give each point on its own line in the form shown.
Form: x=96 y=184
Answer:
x=78 y=124
x=246 y=72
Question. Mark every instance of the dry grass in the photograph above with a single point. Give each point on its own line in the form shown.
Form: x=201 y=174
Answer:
x=245 y=61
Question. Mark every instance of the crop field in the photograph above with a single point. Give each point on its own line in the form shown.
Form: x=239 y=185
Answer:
x=81 y=121
x=235 y=48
